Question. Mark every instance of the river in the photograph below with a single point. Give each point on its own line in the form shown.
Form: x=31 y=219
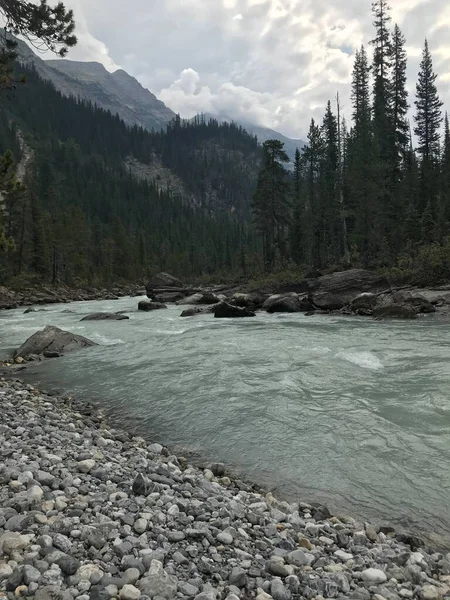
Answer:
x=349 y=412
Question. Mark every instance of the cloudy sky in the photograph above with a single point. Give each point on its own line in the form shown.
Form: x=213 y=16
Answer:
x=273 y=62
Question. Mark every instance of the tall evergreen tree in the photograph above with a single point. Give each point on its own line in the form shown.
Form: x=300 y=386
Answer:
x=298 y=211
x=428 y=115
x=331 y=227
x=428 y=120
x=399 y=95
x=271 y=206
x=313 y=155
x=382 y=91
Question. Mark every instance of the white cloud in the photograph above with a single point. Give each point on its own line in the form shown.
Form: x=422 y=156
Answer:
x=275 y=62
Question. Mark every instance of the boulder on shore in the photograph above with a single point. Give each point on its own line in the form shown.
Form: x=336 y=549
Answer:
x=54 y=340
x=228 y=311
x=337 y=290
x=147 y=306
x=163 y=280
x=100 y=316
x=401 y=304
x=193 y=311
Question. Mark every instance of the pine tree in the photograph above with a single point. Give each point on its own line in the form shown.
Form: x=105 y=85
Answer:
x=271 y=206
x=428 y=119
x=428 y=116
x=331 y=226
x=298 y=211
x=360 y=93
x=399 y=95
x=444 y=213
x=382 y=91
x=313 y=155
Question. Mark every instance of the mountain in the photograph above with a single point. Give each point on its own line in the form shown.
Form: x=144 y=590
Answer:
x=117 y=92
x=122 y=94
x=96 y=208
x=262 y=133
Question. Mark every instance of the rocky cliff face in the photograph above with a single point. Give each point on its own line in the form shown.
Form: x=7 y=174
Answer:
x=118 y=92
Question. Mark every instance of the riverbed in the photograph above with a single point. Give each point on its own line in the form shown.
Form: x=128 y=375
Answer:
x=345 y=411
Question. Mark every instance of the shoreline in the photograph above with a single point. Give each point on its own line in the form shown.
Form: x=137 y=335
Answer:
x=48 y=294
x=82 y=532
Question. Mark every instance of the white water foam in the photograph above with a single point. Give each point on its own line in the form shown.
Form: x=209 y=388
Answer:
x=366 y=360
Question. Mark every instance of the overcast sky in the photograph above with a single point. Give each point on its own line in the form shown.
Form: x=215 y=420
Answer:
x=273 y=62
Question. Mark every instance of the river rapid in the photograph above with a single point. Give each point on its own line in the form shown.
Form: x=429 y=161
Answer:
x=345 y=411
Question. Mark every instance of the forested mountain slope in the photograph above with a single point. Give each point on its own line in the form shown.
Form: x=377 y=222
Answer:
x=85 y=217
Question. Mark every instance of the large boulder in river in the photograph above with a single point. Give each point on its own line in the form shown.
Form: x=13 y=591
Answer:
x=201 y=298
x=253 y=301
x=395 y=311
x=287 y=303
x=147 y=306
x=223 y=310
x=100 y=316
x=52 y=340
x=193 y=311
x=164 y=297
x=163 y=280
x=333 y=292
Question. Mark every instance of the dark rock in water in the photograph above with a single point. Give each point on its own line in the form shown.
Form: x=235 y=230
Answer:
x=218 y=469
x=365 y=303
x=337 y=290
x=286 y=303
x=105 y=317
x=29 y=310
x=201 y=298
x=228 y=311
x=163 y=280
x=51 y=354
x=147 y=306
x=411 y=540
x=140 y=485
x=197 y=310
x=395 y=311
x=252 y=301
x=320 y=513
x=52 y=339
x=168 y=297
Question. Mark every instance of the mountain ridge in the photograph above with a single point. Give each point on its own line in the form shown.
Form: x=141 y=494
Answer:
x=122 y=94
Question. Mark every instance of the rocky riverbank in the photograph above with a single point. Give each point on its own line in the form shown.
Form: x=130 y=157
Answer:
x=353 y=292
x=92 y=513
x=47 y=294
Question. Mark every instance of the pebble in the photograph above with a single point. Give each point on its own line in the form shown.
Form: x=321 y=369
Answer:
x=95 y=514
x=129 y=592
x=373 y=576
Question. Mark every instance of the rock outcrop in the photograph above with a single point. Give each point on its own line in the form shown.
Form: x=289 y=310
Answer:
x=52 y=340
x=333 y=292
x=193 y=311
x=228 y=311
x=147 y=306
x=100 y=316
x=287 y=303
